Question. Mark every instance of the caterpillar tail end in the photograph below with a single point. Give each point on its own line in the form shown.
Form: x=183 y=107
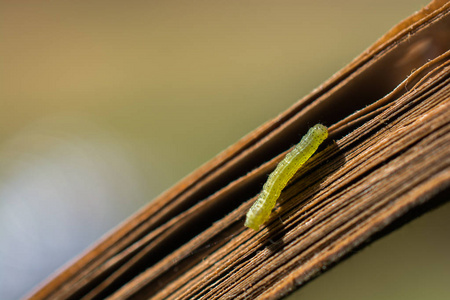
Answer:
x=251 y=224
x=256 y=216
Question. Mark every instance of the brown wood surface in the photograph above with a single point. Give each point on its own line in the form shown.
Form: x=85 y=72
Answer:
x=387 y=160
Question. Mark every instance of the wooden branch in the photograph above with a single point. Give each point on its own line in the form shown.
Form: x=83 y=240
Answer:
x=387 y=160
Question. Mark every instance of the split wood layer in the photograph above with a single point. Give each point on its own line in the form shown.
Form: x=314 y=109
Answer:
x=387 y=160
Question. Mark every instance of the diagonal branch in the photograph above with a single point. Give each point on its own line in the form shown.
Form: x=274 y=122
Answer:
x=386 y=161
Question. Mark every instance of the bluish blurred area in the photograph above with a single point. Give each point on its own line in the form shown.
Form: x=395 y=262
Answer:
x=106 y=104
x=63 y=183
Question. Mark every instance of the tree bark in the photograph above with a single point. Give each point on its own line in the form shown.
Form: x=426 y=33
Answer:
x=386 y=161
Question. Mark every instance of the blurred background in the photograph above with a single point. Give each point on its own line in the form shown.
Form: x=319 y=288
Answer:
x=106 y=104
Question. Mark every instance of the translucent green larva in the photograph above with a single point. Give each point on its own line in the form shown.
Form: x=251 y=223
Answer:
x=261 y=209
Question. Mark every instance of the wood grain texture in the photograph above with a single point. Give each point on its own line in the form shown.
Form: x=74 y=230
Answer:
x=387 y=160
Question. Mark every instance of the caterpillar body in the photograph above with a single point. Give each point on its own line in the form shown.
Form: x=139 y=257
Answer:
x=285 y=170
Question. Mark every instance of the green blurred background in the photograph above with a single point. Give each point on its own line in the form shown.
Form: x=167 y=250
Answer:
x=106 y=104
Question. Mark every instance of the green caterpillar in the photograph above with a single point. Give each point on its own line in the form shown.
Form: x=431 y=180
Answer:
x=285 y=170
